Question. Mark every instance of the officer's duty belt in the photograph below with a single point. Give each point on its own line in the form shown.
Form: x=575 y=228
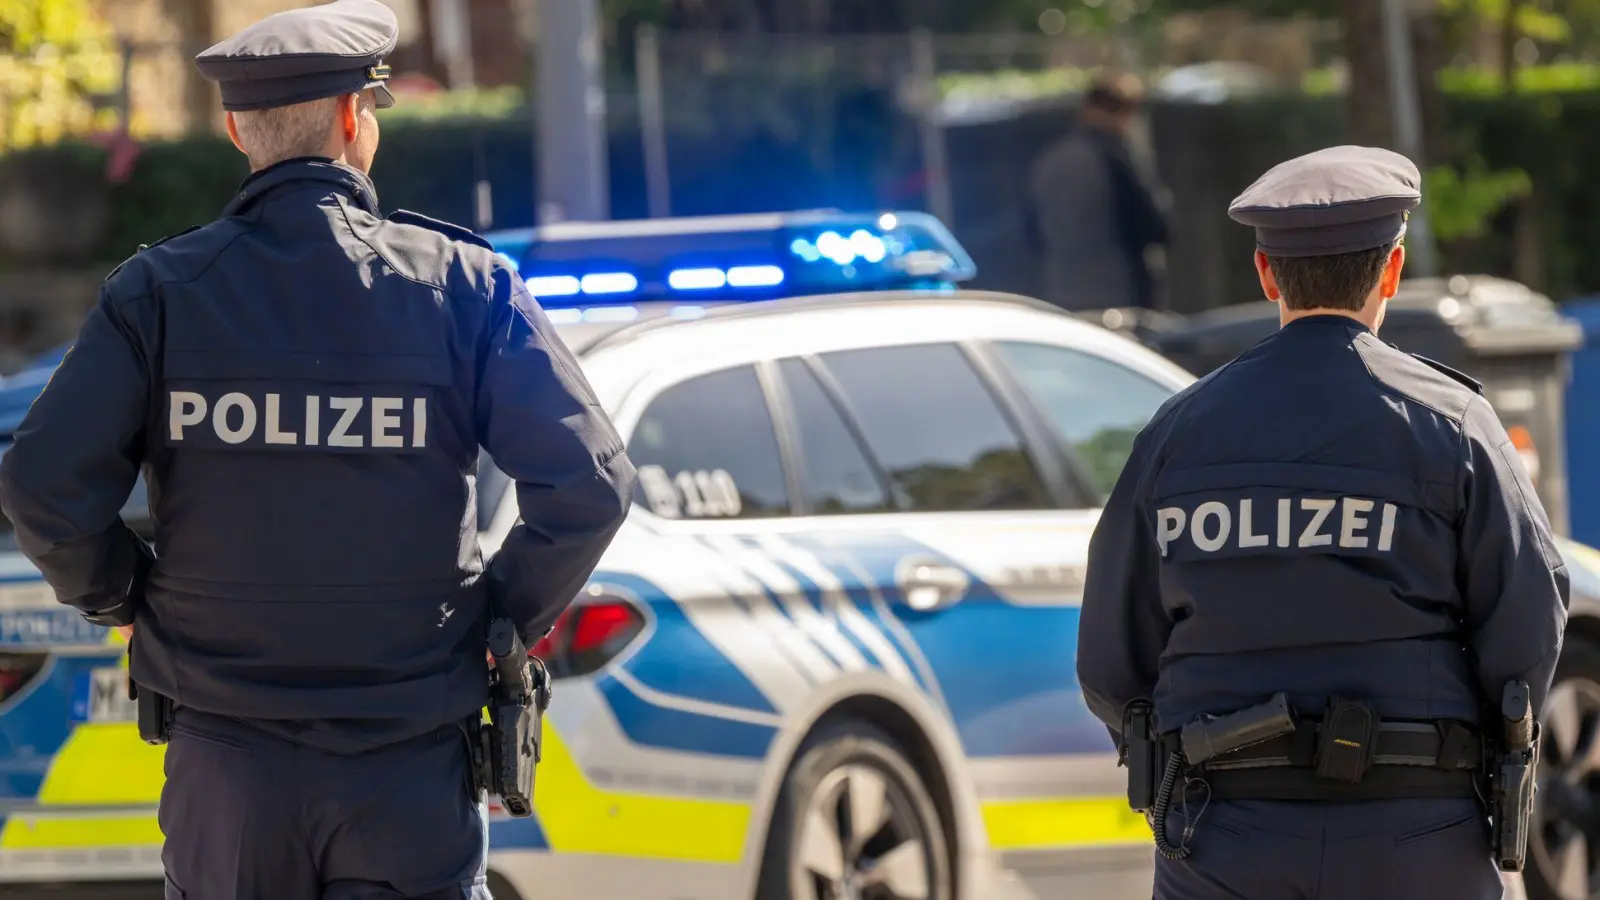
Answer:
x=1410 y=759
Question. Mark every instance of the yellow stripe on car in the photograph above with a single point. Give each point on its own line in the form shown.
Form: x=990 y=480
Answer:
x=578 y=817
x=1060 y=822
x=61 y=830
x=80 y=779
x=104 y=764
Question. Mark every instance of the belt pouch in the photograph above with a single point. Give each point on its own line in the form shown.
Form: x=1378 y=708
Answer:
x=1347 y=741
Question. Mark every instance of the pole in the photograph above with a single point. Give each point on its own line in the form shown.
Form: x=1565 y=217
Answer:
x=452 y=41
x=571 y=135
x=1406 y=108
x=934 y=159
x=652 y=122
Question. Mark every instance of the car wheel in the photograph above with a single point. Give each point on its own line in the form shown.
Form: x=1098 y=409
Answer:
x=501 y=889
x=1564 y=842
x=854 y=821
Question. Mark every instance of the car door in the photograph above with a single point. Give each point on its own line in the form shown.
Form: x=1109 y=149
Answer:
x=980 y=469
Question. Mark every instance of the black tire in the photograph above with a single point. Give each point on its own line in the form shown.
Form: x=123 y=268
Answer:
x=837 y=756
x=1553 y=831
x=501 y=889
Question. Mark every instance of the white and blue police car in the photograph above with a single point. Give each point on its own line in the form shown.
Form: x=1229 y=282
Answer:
x=831 y=653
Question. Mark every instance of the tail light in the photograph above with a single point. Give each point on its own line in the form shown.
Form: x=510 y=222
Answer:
x=592 y=632
x=1522 y=439
x=17 y=670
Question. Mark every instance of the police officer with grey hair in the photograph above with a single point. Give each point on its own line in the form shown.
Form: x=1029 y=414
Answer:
x=1321 y=582
x=306 y=385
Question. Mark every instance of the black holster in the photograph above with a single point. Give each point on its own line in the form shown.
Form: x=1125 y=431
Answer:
x=1141 y=753
x=154 y=710
x=1512 y=777
x=510 y=744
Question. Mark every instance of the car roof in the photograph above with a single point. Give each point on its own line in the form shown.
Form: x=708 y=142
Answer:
x=586 y=336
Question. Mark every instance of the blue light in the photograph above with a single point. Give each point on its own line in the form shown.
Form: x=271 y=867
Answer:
x=804 y=249
x=888 y=221
x=609 y=283
x=567 y=316
x=510 y=261
x=836 y=248
x=553 y=286
x=696 y=279
x=868 y=246
x=755 y=276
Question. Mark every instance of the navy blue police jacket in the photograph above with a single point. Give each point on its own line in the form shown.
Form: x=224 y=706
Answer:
x=1325 y=515
x=306 y=386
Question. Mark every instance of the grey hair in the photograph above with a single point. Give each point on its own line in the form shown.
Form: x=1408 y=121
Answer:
x=273 y=135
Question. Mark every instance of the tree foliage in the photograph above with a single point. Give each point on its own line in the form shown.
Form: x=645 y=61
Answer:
x=55 y=56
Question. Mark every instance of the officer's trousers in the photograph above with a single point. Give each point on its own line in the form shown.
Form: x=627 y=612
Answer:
x=1377 y=850
x=250 y=816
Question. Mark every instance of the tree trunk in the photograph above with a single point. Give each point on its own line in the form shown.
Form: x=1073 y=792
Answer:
x=1428 y=50
x=197 y=21
x=1369 y=108
x=1508 y=47
x=1367 y=102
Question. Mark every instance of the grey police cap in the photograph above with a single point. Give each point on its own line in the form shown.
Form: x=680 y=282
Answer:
x=305 y=54
x=1338 y=200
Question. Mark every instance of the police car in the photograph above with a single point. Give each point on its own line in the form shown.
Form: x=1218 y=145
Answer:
x=831 y=653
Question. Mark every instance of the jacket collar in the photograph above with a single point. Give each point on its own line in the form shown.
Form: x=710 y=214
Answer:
x=341 y=178
x=1326 y=322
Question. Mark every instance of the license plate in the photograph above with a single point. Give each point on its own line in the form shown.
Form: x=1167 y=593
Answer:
x=102 y=696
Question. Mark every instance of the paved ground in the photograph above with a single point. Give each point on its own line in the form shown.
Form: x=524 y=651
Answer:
x=1047 y=887
x=1027 y=886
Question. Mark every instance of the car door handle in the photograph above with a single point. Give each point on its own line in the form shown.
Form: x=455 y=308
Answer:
x=929 y=584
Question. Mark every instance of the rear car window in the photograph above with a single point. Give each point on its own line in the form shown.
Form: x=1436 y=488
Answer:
x=937 y=430
x=706 y=449
x=1095 y=405
x=834 y=471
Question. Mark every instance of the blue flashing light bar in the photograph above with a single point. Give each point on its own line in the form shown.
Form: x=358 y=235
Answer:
x=609 y=283
x=755 y=276
x=733 y=258
x=697 y=279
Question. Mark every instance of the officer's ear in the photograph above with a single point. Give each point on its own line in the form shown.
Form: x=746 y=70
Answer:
x=1389 y=282
x=233 y=132
x=350 y=117
x=1269 y=282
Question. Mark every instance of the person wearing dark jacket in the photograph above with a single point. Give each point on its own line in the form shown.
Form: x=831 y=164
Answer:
x=1092 y=216
x=305 y=385
x=1337 y=541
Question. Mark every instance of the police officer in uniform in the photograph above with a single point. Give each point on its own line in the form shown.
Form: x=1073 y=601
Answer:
x=306 y=385
x=1347 y=524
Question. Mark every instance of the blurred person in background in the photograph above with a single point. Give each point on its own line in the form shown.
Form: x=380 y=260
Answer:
x=1092 y=216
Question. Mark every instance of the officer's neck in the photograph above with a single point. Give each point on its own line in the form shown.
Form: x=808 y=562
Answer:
x=1370 y=316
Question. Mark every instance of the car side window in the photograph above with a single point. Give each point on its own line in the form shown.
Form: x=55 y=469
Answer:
x=1095 y=405
x=937 y=430
x=706 y=449
x=834 y=472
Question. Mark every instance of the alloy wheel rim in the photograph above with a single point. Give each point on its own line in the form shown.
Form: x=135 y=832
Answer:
x=1565 y=838
x=861 y=839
